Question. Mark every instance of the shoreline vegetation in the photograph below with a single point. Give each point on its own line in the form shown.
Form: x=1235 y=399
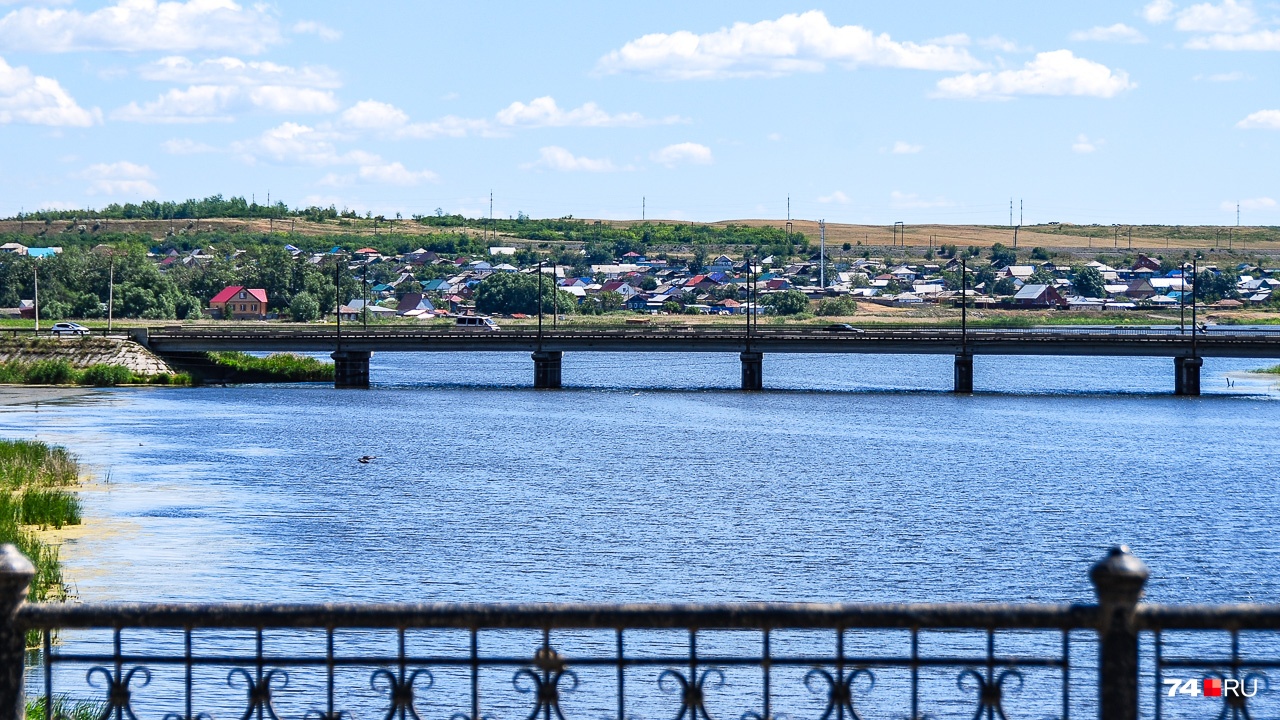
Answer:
x=277 y=367
x=36 y=493
x=62 y=372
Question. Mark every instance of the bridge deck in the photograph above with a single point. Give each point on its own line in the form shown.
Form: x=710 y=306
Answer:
x=941 y=341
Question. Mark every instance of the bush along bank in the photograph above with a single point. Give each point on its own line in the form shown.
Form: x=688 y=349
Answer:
x=62 y=372
x=278 y=367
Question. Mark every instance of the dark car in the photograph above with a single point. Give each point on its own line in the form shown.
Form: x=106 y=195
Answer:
x=842 y=327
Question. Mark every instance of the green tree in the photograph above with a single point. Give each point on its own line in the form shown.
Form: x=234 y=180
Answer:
x=1004 y=286
x=1042 y=277
x=1002 y=256
x=649 y=283
x=1089 y=282
x=304 y=307
x=518 y=293
x=787 y=302
x=843 y=305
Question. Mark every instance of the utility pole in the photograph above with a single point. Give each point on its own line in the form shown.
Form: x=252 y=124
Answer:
x=1129 y=233
x=822 y=253
x=1010 y=212
x=964 y=305
x=1237 y=214
x=111 y=291
x=35 y=272
x=1019 y=212
x=364 y=294
x=643 y=201
x=491 y=229
x=539 y=305
x=337 y=296
x=1195 y=277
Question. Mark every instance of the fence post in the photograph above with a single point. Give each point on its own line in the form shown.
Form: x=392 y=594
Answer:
x=1118 y=581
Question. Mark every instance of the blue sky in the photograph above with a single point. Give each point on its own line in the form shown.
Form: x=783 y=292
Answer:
x=1148 y=112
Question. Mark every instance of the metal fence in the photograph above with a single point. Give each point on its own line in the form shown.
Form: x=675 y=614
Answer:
x=744 y=661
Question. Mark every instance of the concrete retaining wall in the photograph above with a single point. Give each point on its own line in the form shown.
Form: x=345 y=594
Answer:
x=82 y=352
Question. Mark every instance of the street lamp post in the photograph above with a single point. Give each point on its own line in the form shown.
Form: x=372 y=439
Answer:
x=337 y=295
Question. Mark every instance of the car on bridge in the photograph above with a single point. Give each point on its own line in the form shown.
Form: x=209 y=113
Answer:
x=69 y=328
x=476 y=322
x=844 y=328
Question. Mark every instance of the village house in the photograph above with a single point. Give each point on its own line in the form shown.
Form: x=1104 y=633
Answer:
x=237 y=302
x=1038 y=296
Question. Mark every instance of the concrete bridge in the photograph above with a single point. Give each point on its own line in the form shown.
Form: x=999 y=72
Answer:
x=351 y=348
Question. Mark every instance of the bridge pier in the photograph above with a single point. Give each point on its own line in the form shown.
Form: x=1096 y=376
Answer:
x=964 y=373
x=351 y=368
x=546 y=370
x=752 y=370
x=1186 y=375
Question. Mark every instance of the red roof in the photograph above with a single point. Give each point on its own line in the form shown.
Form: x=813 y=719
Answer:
x=366 y=251
x=231 y=290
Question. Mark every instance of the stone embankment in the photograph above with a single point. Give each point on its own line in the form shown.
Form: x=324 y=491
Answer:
x=82 y=352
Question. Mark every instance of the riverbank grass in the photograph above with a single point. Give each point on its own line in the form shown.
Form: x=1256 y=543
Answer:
x=1274 y=370
x=35 y=493
x=62 y=372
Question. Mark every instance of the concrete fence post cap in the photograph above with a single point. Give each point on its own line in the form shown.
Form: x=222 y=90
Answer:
x=1119 y=577
x=13 y=562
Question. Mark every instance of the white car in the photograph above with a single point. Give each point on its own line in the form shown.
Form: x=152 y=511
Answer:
x=69 y=328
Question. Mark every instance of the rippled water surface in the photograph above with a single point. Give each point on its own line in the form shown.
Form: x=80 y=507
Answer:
x=650 y=477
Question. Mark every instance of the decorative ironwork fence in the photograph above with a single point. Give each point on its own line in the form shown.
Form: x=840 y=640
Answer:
x=743 y=661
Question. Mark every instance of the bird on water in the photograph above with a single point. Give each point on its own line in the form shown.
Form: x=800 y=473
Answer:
x=366 y=459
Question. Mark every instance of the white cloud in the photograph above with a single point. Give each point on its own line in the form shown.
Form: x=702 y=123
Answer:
x=373 y=115
x=217 y=103
x=792 y=43
x=39 y=100
x=380 y=173
x=541 y=112
x=187 y=146
x=1000 y=44
x=911 y=201
x=142 y=25
x=320 y=30
x=1158 y=11
x=1083 y=145
x=903 y=147
x=1262 y=40
x=1119 y=32
x=1264 y=119
x=683 y=153
x=957 y=39
x=196 y=104
x=376 y=116
x=1229 y=17
x=120 y=178
x=557 y=158
x=395 y=174
x=544 y=112
x=234 y=71
x=295 y=144
x=1236 y=76
x=837 y=197
x=293 y=100
x=1261 y=203
x=1051 y=73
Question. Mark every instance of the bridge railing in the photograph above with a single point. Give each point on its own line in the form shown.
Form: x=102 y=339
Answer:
x=743 y=661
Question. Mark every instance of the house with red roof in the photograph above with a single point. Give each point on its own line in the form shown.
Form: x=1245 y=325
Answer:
x=237 y=302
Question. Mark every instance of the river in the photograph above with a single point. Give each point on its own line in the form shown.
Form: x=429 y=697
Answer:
x=650 y=477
